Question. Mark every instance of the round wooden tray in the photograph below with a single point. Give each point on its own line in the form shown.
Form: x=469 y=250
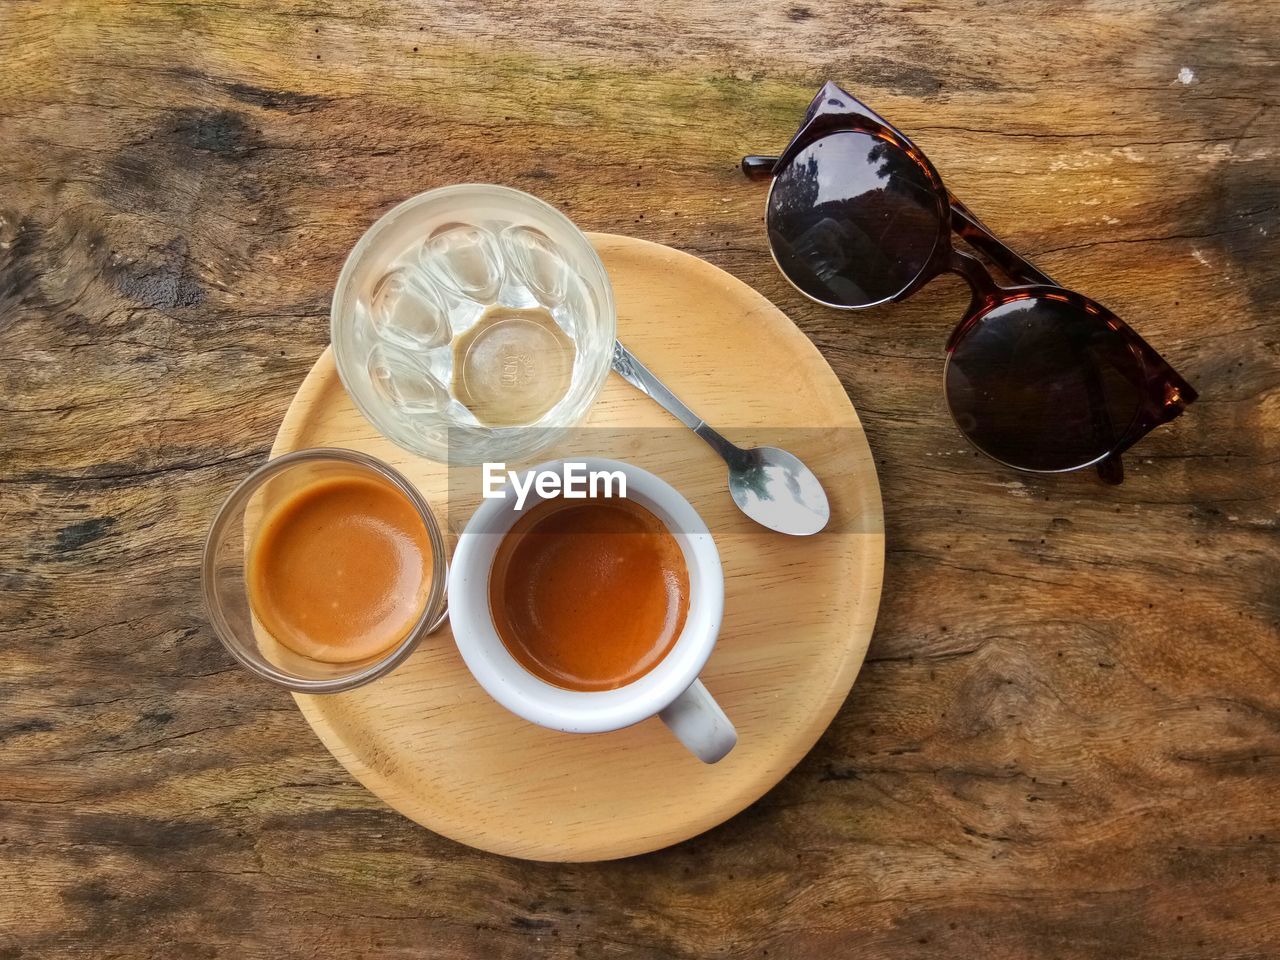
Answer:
x=798 y=611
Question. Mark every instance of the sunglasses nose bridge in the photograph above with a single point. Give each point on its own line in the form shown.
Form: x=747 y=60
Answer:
x=974 y=273
x=982 y=288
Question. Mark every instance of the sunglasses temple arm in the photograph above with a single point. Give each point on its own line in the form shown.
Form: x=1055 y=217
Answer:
x=757 y=167
x=975 y=232
x=1111 y=470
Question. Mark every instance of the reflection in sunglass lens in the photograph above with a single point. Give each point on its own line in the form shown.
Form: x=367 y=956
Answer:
x=1043 y=384
x=853 y=220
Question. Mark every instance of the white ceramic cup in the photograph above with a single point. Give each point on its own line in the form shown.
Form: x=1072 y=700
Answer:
x=671 y=690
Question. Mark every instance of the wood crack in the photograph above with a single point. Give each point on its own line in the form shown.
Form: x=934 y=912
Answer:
x=187 y=467
x=1161 y=239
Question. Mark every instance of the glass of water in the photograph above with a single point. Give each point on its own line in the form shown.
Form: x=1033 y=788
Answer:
x=473 y=323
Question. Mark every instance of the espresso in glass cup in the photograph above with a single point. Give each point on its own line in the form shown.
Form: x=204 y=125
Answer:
x=323 y=570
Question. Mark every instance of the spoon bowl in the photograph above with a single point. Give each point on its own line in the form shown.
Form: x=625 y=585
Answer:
x=772 y=487
x=776 y=490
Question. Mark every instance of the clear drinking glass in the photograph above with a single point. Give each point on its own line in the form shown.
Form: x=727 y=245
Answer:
x=473 y=323
x=226 y=554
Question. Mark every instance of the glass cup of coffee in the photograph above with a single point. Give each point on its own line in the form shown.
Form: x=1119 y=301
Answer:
x=588 y=614
x=473 y=323
x=323 y=570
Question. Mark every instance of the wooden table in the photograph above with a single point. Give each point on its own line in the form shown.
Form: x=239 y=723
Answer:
x=1066 y=739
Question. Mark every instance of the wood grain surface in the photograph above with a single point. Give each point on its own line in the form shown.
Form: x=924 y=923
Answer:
x=1066 y=739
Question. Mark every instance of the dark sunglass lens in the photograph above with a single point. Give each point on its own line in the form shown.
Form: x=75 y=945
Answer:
x=853 y=219
x=1044 y=384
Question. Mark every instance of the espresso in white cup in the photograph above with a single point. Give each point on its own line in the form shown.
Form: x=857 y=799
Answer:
x=668 y=688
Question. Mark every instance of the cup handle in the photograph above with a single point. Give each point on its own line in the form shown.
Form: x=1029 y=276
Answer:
x=699 y=723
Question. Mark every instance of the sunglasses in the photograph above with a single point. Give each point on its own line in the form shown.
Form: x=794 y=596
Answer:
x=1038 y=377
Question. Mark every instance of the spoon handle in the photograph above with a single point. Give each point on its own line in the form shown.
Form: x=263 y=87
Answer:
x=639 y=376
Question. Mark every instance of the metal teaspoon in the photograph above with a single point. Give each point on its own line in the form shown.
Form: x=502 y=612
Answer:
x=772 y=487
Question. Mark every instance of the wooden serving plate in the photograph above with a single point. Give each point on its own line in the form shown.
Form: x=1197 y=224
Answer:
x=798 y=611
